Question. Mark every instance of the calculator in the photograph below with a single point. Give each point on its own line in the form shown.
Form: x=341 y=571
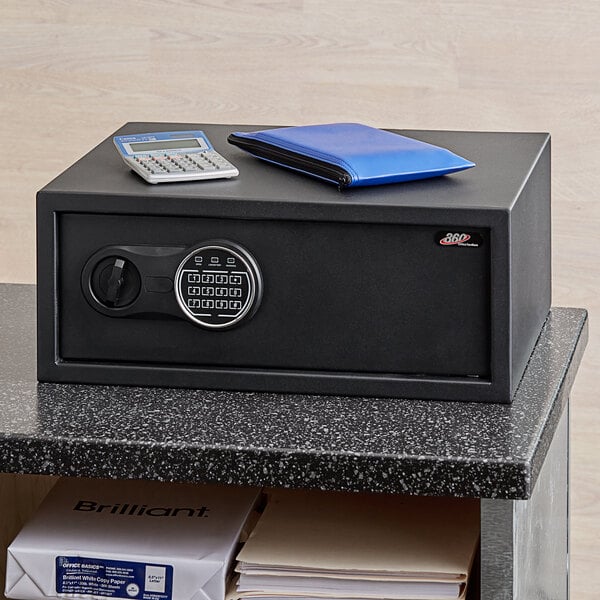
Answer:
x=170 y=156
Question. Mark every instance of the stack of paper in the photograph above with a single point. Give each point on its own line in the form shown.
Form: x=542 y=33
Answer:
x=140 y=540
x=313 y=545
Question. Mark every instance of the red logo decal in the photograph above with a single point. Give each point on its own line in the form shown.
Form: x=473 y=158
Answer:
x=453 y=239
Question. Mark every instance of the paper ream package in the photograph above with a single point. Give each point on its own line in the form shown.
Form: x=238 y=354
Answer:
x=133 y=540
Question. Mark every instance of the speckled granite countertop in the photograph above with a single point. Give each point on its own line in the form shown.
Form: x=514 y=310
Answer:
x=383 y=445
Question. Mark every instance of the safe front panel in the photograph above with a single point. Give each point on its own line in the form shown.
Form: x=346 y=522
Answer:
x=332 y=297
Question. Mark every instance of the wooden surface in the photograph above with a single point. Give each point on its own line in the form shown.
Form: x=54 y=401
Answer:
x=20 y=495
x=72 y=72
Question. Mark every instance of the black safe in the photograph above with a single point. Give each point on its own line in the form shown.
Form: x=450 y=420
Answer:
x=274 y=281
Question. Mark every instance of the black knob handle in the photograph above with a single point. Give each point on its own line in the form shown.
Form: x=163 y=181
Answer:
x=115 y=282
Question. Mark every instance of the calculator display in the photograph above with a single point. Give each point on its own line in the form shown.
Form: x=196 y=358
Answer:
x=164 y=145
x=218 y=284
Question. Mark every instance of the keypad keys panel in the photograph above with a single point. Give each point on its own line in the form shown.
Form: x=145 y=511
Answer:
x=218 y=284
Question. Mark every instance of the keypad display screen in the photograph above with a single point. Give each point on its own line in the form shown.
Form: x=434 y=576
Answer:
x=217 y=286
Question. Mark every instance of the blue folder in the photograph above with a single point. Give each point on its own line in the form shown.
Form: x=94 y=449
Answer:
x=350 y=154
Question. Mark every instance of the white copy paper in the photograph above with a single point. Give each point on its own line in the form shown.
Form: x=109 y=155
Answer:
x=137 y=540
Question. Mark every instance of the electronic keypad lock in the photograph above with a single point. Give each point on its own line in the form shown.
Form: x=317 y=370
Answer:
x=218 y=284
x=215 y=284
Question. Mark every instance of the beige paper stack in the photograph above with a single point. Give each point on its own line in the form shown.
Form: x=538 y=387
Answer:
x=324 y=545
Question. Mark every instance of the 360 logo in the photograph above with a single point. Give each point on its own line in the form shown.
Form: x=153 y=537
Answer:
x=452 y=239
x=459 y=239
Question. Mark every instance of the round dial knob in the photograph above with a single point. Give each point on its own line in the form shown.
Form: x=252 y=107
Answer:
x=115 y=282
x=218 y=284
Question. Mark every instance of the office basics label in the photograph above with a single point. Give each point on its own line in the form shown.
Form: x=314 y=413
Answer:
x=105 y=578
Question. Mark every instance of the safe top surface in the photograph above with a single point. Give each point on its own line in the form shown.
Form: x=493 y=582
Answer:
x=329 y=442
x=503 y=163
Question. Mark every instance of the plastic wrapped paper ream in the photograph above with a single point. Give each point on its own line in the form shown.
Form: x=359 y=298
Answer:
x=135 y=540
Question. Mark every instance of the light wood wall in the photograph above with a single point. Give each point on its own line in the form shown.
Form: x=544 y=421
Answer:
x=72 y=72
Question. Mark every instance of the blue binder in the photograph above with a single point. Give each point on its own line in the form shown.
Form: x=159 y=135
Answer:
x=350 y=154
